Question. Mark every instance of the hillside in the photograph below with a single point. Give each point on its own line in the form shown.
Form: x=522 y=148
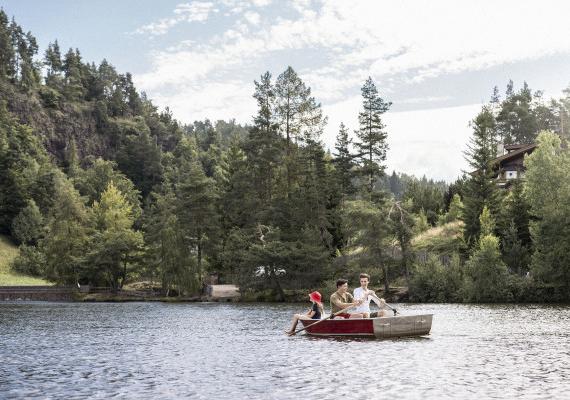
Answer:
x=440 y=239
x=8 y=251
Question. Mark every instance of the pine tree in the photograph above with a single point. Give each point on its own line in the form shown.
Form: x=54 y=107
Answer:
x=196 y=196
x=66 y=239
x=372 y=146
x=265 y=96
x=7 y=54
x=480 y=189
x=516 y=121
x=343 y=162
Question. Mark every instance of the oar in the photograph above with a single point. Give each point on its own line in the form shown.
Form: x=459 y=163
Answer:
x=324 y=319
x=387 y=305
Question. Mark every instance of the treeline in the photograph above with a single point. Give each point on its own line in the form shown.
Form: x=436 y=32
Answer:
x=98 y=186
x=515 y=241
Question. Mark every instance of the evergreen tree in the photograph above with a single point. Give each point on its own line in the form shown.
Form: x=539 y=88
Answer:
x=402 y=225
x=480 y=189
x=516 y=122
x=7 y=54
x=366 y=229
x=196 y=197
x=372 y=146
x=547 y=189
x=95 y=179
x=66 y=239
x=265 y=97
x=343 y=162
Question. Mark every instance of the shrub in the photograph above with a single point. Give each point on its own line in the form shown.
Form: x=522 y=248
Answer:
x=31 y=261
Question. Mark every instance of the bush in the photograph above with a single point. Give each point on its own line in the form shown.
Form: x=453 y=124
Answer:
x=435 y=282
x=31 y=261
x=487 y=275
x=27 y=227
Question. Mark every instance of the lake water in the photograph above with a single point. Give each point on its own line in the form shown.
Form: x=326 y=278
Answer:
x=239 y=351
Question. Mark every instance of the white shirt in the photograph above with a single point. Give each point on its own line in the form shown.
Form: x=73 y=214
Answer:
x=364 y=307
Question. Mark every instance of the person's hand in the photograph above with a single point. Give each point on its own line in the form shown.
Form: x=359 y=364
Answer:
x=382 y=301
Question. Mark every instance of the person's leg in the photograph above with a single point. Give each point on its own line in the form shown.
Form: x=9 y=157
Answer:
x=356 y=315
x=295 y=321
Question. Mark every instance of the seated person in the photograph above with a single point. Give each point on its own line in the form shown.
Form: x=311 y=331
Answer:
x=341 y=299
x=315 y=312
x=367 y=295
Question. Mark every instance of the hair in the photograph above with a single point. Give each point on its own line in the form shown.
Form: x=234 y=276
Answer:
x=363 y=275
x=341 y=282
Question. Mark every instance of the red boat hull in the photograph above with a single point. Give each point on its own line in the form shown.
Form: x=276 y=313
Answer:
x=413 y=325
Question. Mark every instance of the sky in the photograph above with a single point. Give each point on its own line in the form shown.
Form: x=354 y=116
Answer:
x=436 y=61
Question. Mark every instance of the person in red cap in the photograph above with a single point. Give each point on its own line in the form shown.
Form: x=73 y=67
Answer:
x=315 y=312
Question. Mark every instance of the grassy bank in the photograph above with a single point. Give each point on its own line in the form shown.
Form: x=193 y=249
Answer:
x=9 y=251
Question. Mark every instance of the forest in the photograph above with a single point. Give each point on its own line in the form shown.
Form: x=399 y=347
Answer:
x=99 y=186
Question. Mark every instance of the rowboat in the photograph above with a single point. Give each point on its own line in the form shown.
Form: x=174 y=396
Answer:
x=383 y=327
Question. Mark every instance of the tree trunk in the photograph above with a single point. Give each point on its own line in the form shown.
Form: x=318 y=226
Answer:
x=386 y=281
x=277 y=286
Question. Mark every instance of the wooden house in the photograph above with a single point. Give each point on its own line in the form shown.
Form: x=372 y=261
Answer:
x=509 y=165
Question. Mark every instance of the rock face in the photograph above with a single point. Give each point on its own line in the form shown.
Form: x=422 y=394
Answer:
x=222 y=292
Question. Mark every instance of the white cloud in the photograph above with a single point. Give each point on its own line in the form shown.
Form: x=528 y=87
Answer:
x=196 y=11
x=252 y=17
x=335 y=45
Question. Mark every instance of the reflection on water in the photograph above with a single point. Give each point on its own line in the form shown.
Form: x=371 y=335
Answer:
x=221 y=351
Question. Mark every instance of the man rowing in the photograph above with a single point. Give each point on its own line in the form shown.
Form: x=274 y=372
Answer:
x=341 y=299
x=366 y=295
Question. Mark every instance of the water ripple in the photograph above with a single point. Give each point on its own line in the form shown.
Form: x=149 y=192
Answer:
x=238 y=351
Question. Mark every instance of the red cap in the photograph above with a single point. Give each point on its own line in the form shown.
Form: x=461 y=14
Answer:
x=315 y=296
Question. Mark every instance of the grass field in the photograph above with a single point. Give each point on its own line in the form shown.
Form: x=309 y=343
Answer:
x=8 y=251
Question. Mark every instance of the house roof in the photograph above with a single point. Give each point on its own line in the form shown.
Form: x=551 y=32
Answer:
x=514 y=153
x=522 y=149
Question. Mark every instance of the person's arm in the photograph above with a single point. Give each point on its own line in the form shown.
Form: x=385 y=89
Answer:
x=313 y=310
x=379 y=302
x=338 y=302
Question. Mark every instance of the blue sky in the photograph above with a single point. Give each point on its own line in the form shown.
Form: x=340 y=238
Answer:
x=437 y=61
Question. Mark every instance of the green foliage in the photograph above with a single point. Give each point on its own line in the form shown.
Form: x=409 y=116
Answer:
x=372 y=144
x=515 y=254
x=31 y=261
x=66 y=240
x=94 y=179
x=344 y=162
x=23 y=164
x=368 y=235
x=455 y=211
x=548 y=190
x=480 y=189
x=113 y=244
x=28 y=225
x=522 y=115
x=487 y=276
x=434 y=282
x=487 y=222
x=424 y=196
x=8 y=256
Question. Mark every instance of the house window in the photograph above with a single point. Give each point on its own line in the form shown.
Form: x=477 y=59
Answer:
x=511 y=174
